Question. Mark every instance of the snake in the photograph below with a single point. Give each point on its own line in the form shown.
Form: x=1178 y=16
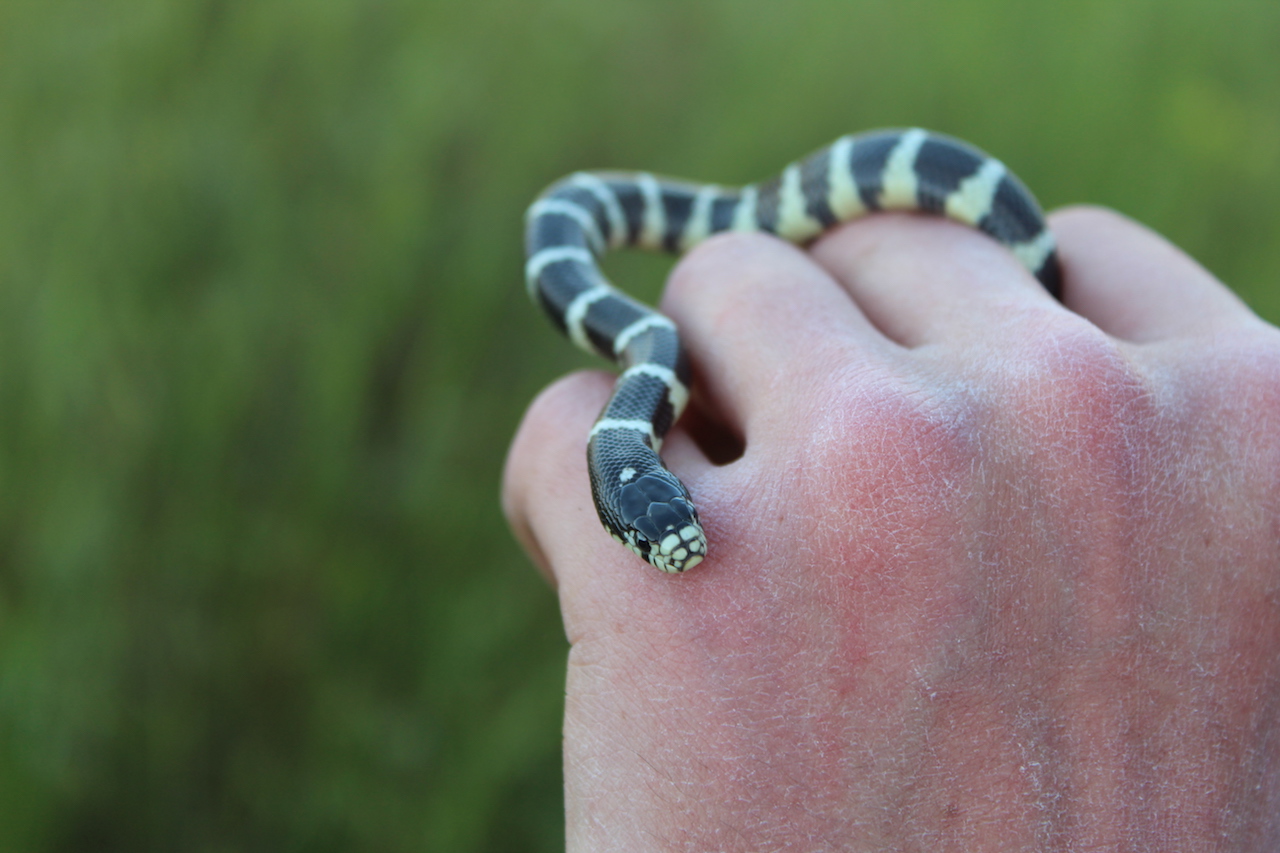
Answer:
x=571 y=224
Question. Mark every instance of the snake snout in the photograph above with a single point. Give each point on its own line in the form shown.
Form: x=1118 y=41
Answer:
x=659 y=511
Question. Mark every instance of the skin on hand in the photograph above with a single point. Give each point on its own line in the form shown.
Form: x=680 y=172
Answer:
x=986 y=572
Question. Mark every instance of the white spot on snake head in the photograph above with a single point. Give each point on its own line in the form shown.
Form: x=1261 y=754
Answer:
x=627 y=474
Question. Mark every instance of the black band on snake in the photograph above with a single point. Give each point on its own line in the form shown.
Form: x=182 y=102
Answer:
x=642 y=504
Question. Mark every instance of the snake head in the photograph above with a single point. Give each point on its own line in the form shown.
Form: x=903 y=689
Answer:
x=660 y=523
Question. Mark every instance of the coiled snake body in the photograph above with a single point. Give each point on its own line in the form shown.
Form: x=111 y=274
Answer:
x=642 y=504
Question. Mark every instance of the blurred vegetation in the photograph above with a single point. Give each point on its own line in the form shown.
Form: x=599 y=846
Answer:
x=263 y=343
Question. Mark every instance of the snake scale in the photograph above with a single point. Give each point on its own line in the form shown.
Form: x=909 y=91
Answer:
x=641 y=503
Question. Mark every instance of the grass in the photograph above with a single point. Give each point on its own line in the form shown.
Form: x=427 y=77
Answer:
x=263 y=344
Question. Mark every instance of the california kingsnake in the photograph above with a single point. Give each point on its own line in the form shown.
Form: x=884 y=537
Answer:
x=642 y=504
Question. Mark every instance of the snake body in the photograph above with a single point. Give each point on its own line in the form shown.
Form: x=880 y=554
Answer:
x=641 y=503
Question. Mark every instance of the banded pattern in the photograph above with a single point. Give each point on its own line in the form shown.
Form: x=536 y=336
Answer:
x=642 y=504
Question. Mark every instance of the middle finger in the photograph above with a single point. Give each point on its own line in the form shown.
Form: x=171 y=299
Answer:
x=922 y=279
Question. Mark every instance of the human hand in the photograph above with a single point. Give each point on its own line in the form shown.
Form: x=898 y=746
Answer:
x=987 y=574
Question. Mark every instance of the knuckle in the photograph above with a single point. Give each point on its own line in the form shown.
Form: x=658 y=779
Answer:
x=554 y=428
x=1243 y=375
x=1076 y=393
x=558 y=401
x=1091 y=217
x=702 y=265
x=897 y=440
x=713 y=277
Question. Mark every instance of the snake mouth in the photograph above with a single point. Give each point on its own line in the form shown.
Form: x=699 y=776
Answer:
x=679 y=550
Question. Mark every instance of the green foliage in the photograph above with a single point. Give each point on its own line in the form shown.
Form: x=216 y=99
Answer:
x=263 y=343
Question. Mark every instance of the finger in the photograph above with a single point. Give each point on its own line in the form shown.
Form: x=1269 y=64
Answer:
x=1135 y=285
x=546 y=493
x=762 y=322
x=545 y=476
x=921 y=279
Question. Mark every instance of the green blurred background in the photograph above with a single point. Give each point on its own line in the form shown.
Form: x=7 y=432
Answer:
x=263 y=342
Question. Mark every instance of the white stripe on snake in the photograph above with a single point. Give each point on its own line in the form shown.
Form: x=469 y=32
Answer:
x=641 y=503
